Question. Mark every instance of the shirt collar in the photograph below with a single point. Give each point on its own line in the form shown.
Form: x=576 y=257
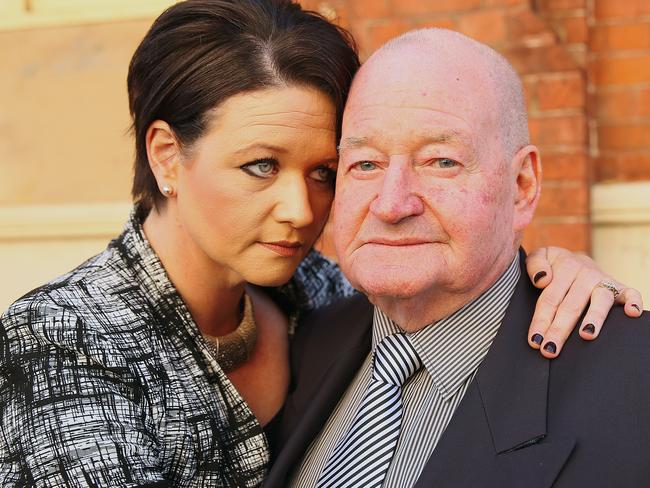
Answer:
x=452 y=348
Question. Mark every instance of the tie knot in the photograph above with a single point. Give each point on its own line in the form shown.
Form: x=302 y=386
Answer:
x=395 y=360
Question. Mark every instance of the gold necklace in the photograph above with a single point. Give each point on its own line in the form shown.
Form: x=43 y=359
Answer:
x=235 y=348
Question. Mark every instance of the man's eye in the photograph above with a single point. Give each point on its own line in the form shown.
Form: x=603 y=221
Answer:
x=262 y=168
x=323 y=174
x=446 y=163
x=366 y=165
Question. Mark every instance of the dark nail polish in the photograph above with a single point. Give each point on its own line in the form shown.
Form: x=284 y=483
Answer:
x=539 y=276
x=589 y=329
x=537 y=339
x=550 y=347
x=638 y=309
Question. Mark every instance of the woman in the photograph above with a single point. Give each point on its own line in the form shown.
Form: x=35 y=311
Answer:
x=155 y=363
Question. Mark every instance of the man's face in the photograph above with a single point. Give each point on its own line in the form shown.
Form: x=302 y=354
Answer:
x=425 y=195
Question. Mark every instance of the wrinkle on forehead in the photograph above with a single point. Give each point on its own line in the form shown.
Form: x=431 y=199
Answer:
x=299 y=125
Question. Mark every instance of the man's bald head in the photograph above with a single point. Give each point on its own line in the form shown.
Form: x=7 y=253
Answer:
x=443 y=47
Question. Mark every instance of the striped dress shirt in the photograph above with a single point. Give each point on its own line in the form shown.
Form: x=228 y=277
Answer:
x=451 y=351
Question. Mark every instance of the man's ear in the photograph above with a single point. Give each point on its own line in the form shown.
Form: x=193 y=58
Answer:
x=527 y=167
x=164 y=154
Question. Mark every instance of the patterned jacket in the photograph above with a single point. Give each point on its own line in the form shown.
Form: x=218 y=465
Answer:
x=105 y=380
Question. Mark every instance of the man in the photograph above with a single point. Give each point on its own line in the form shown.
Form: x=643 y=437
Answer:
x=436 y=183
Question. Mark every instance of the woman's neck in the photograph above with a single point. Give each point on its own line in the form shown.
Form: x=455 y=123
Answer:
x=211 y=292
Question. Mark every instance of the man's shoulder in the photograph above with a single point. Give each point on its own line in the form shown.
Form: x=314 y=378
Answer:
x=330 y=330
x=621 y=339
x=612 y=369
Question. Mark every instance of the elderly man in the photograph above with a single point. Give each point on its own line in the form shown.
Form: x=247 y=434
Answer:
x=435 y=385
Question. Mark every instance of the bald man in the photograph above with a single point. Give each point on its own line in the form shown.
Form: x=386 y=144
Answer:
x=429 y=381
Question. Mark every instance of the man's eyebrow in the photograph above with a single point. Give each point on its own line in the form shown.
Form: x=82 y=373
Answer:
x=445 y=137
x=352 y=143
x=450 y=136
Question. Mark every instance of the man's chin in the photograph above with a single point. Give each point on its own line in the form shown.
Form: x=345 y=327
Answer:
x=394 y=287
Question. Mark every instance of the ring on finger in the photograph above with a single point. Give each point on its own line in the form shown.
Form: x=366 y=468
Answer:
x=609 y=285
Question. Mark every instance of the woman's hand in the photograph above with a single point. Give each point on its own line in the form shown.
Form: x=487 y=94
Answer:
x=570 y=283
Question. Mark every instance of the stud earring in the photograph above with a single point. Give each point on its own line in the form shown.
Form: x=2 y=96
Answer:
x=167 y=190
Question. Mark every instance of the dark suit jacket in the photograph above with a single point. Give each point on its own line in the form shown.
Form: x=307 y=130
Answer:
x=581 y=420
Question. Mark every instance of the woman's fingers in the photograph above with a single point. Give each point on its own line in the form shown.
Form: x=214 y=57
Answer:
x=539 y=268
x=632 y=300
x=572 y=283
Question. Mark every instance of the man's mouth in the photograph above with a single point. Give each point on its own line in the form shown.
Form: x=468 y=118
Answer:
x=409 y=241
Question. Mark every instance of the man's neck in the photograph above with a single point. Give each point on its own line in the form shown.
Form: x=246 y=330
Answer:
x=414 y=313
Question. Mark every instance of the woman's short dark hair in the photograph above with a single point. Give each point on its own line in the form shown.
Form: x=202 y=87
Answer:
x=198 y=53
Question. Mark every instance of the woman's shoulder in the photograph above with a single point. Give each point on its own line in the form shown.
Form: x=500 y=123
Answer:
x=73 y=312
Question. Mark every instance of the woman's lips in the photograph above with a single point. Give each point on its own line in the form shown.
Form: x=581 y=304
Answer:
x=283 y=248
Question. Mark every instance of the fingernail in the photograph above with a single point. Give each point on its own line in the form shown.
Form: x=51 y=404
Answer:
x=589 y=329
x=550 y=347
x=539 y=276
x=638 y=309
x=537 y=339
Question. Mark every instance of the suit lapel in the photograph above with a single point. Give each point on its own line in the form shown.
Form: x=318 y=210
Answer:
x=498 y=436
x=308 y=408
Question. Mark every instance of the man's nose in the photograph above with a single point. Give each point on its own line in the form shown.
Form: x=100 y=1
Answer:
x=293 y=205
x=397 y=198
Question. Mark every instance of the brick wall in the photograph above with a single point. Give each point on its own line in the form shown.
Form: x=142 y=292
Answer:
x=619 y=76
x=585 y=65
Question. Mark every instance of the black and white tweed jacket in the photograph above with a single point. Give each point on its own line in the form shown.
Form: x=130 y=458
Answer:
x=105 y=380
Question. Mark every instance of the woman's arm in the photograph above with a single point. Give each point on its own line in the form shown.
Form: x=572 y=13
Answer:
x=68 y=413
x=570 y=283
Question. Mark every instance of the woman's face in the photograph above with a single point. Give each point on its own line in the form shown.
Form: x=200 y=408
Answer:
x=254 y=192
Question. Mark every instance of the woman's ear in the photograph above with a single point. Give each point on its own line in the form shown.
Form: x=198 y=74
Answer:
x=164 y=154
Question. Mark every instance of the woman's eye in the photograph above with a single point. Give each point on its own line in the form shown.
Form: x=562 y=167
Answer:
x=366 y=165
x=323 y=174
x=446 y=163
x=262 y=168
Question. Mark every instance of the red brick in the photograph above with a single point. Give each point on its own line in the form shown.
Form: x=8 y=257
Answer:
x=623 y=105
x=508 y=3
x=621 y=36
x=561 y=92
x=441 y=22
x=624 y=136
x=425 y=7
x=573 y=235
x=370 y=9
x=620 y=70
x=621 y=8
x=553 y=131
x=530 y=94
x=561 y=4
x=575 y=30
x=528 y=28
x=623 y=167
x=529 y=60
x=563 y=200
x=564 y=166
x=488 y=26
x=380 y=32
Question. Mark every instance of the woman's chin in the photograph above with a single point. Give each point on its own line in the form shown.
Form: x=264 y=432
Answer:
x=271 y=278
